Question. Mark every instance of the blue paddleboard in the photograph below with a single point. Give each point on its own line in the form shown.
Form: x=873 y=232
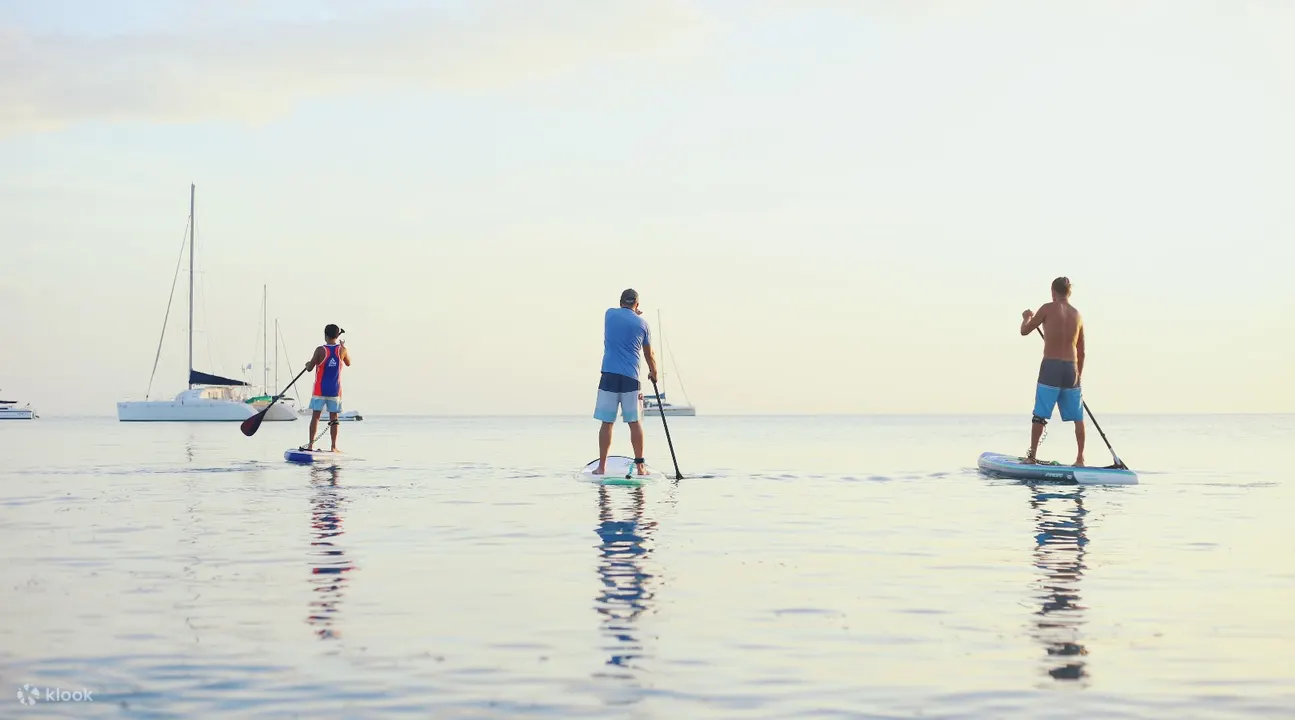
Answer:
x=1013 y=467
x=295 y=455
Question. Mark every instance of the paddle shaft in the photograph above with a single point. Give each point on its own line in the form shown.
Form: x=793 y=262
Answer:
x=1091 y=416
x=661 y=408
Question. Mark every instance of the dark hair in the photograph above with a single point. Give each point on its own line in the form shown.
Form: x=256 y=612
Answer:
x=629 y=297
x=331 y=331
x=1061 y=286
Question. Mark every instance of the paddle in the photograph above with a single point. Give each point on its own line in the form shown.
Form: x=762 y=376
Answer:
x=677 y=475
x=252 y=424
x=1118 y=462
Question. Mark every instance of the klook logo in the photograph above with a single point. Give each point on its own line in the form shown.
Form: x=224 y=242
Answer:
x=30 y=695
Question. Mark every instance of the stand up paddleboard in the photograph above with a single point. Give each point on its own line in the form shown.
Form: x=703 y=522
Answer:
x=1015 y=467
x=297 y=455
x=617 y=468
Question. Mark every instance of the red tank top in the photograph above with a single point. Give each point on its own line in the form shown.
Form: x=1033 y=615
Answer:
x=328 y=374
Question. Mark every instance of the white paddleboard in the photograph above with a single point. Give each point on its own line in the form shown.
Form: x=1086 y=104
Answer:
x=1014 y=467
x=618 y=467
x=296 y=455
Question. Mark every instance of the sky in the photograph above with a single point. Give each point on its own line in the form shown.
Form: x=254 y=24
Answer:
x=835 y=207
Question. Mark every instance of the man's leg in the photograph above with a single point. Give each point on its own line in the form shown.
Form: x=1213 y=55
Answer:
x=314 y=427
x=332 y=428
x=1036 y=434
x=1045 y=399
x=1072 y=410
x=636 y=440
x=604 y=446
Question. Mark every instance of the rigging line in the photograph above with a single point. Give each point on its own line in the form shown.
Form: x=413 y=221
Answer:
x=256 y=344
x=166 y=318
x=677 y=374
x=285 y=357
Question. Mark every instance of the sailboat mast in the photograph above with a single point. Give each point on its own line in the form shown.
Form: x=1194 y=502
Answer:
x=193 y=230
x=265 y=340
x=276 y=352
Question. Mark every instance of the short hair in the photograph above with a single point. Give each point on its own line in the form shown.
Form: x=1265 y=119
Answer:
x=331 y=331
x=1061 y=286
x=629 y=297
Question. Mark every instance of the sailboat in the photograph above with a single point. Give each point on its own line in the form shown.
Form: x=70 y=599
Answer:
x=284 y=409
x=210 y=398
x=650 y=404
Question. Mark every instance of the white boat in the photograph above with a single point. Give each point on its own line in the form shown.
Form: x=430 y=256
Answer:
x=650 y=405
x=9 y=410
x=209 y=398
x=284 y=409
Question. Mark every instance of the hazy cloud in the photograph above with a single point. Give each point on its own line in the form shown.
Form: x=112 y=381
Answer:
x=253 y=70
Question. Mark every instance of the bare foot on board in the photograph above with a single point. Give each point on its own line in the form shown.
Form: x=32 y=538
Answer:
x=1079 y=461
x=642 y=468
x=1029 y=461
x=602 y=470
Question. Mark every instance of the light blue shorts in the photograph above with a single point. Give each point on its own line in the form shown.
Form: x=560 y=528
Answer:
x=1070 y=400
x=329 y=404
x=629 y=403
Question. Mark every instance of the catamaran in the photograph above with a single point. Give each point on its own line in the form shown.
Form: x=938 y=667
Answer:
x=654 y=408
x=9 y=410
x=209 y=398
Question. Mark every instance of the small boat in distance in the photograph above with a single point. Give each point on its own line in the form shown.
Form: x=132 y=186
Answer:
x=283 y=410
x=9 y=410
x=653 y=408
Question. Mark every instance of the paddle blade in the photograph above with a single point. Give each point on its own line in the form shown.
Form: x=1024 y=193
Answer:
x=252 y=424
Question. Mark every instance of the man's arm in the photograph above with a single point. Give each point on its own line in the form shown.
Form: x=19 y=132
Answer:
x=315 y=359
x=1030 y=320
x=346 y=354
x=651 y=362
x=1079 y=354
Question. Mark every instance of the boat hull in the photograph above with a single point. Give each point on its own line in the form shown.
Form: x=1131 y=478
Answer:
x=279 y=412
x=182 y=411
x=17 y=414
x=671 y=412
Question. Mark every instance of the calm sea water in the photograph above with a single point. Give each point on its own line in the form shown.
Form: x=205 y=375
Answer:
x=831 y=567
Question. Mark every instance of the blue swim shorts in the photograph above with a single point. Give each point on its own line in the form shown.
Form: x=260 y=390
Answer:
x=1057 y=388
x=330 y=404
x=618 y=392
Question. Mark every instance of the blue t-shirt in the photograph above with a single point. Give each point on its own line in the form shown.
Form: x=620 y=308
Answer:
x=624 y=335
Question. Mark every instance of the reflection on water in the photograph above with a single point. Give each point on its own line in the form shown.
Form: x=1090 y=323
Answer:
x=625 y=584
x=1060 y=546
x=328 y=560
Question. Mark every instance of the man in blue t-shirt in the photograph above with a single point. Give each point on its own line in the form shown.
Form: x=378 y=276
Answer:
x=625 y=332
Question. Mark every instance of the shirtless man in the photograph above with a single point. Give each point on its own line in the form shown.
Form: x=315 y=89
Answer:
x=1062 y=366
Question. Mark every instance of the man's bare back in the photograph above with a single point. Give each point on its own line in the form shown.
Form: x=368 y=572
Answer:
x=1063 y=330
